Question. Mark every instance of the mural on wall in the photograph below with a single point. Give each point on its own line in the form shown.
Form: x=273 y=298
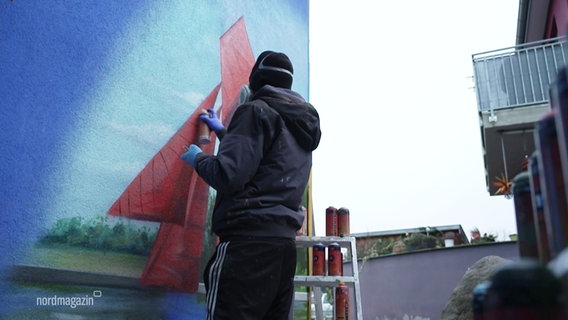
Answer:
x=98 y=101
x=170 y=192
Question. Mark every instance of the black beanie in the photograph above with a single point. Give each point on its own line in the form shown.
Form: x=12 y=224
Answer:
x=273 y=68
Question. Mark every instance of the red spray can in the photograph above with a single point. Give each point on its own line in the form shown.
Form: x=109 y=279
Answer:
x=343 y=222
x=552 y=182
x=524 y=289
x=559 y=92
x=538 y=210
x=342 y=302
x=334 y=260
x=318 y=259
x=527 y=239
x=331 y=222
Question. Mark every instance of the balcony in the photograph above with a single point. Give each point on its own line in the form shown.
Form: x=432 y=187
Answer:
x=512 y=90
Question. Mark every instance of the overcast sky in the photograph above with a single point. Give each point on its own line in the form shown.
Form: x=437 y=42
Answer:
x=401 y=143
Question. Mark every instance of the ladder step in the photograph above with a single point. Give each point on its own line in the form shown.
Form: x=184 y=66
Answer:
x=332 y=281
x=322 y=281
x=303 y=241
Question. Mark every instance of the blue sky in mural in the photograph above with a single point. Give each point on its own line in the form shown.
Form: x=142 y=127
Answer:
x=43 y=91
x=163 y=83
x=91 y=94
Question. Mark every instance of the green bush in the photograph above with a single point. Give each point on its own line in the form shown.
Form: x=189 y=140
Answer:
x=417 y=241
x=98 y=233
x=487 y=238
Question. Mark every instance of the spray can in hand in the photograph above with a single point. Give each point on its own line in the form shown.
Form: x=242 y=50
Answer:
x=204 y=133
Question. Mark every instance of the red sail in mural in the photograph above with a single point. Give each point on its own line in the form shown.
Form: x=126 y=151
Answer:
x=236 y=62
x=169 y=191
x=159 y=192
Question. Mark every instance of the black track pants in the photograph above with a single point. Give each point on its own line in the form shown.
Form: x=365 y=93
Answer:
x=251 y=278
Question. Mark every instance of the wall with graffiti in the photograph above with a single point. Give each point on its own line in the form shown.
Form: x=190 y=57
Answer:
x=100 y=218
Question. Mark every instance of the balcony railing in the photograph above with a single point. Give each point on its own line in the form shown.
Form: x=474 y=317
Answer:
x=519 y=75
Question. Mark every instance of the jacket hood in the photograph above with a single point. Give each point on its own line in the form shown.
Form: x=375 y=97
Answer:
x=300 y=117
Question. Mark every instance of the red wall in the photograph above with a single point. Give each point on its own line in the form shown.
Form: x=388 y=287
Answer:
x=557 y=23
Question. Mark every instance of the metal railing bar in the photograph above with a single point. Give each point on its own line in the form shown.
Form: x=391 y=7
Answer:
x=515 y=48
x=517 y=77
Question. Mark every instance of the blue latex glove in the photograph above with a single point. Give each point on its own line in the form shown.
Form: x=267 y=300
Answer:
x=190 y=154
x=211 y=120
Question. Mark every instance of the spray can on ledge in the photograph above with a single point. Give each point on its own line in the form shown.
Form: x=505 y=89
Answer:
x=204 y=133
x=334 y=260
x=552 y=185
x=343 y=222
x=526 y=226
x=342 y=302
x=524 y=289
x=479 y=295
x=318 y=266
x=538 y=210
x=331 y=222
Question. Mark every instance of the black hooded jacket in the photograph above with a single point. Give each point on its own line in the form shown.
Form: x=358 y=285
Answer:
x=263 y=165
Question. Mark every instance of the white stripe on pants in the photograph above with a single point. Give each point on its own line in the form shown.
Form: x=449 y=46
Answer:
x=214 y=278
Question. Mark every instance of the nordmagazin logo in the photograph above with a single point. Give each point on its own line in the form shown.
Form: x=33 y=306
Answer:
x=69 y=301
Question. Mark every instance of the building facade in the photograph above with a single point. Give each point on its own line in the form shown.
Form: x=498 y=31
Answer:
x=512 y=89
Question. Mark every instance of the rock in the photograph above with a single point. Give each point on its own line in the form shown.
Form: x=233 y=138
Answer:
x=459 y=306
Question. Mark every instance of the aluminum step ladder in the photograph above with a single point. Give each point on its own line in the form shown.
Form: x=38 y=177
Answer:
x=317 y=282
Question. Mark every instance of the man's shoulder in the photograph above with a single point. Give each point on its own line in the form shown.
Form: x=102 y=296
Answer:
x=259 y=107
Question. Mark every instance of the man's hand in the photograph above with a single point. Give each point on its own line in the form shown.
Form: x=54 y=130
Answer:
x=212 y=120
x=190 y=154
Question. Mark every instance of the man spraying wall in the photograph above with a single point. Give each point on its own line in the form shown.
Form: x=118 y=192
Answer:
x=260 y=173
